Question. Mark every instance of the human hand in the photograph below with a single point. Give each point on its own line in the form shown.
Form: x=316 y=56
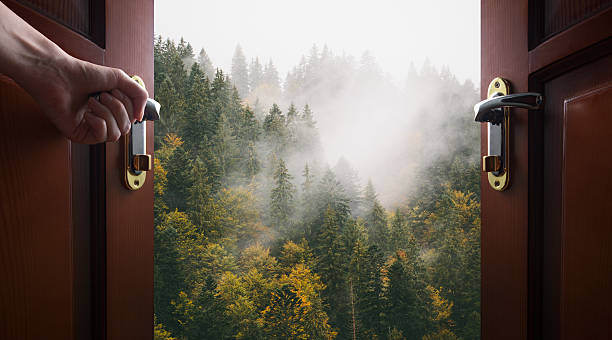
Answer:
x=65 y=96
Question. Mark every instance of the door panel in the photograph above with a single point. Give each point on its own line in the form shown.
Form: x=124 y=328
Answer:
x=83 y=16
x=559 y=15
x=36 y=285
x=44 y=181
x=586 y=280
x=547 y=241
x=75 y=245
x=560 y=243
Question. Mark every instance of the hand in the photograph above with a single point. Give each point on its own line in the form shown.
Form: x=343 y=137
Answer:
x=65 y=98
x=63 y=85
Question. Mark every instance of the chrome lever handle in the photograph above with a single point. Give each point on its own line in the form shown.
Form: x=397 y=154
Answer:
x=489 y=110
x=137 y=161
x=495 y=112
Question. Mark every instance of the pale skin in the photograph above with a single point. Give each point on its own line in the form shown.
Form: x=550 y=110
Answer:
x=63 y=85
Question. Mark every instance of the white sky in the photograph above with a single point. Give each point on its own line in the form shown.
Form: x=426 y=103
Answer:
x=394 y=31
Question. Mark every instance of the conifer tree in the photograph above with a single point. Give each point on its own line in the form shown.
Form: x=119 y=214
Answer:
x=406 y=309
x=197 y=123
x=399 y=231
x=168 y=278
x=332 y=266
x=240 y=73
x=378 y=230
x=255 y=74
x=282 y=198
x=179 y=179
x=275 y=129
x=270 y=75
x=206 y=65
x=226 y=146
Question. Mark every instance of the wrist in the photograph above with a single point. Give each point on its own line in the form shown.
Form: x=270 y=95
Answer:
x=45 y=64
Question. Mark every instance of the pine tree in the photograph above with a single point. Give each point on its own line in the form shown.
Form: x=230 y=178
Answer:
x=369 y=199
x=399 y=231
x=178 y=166
x=197 y=123
x=275 y=129
x=168 y=278
x=378 y=230
x=332 y=266
x=240 y=73
x=255 y=74
x=406 y=296
x=307 y=117
x=206 y=65
x=349 y=179
x=270 y=75
x=282 y=198
x=226 y=147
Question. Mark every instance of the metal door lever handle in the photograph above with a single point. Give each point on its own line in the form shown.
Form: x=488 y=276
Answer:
x=495 y=112
x=137 y=161
x=489 y=110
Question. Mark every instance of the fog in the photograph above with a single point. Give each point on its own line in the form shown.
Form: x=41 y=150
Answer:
x=386 y=81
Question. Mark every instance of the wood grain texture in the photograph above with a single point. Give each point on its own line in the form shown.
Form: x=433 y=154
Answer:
x=129 y=214
x=35 y=220
x=504 y=240
x=573 y=40
x=70 y=41
x=72 y=13
x=45 y=218
x=562 y=14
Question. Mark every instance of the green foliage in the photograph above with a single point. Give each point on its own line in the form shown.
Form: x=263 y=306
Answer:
x=282 y=202
x=245 y=251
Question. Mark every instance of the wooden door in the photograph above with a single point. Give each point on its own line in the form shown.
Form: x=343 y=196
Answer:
x=547 y=240
x=76 y=247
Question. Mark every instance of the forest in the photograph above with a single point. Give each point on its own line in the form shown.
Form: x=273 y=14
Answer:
x=258 y=237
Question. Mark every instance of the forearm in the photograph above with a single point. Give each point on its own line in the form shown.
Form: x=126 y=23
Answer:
x=26 y=54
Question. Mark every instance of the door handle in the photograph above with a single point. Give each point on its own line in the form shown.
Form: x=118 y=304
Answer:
x=136 y=159
x=495 y=112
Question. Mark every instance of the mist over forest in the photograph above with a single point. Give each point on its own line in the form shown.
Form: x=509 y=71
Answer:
x=331 y=202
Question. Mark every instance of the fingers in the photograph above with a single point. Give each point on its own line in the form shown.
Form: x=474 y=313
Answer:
x=127 y=103
x=118 y=110
x=95 y=131
x=112 y=129
x=134 y=91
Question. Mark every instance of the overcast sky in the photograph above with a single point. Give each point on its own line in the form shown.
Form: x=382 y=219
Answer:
x=394 y=31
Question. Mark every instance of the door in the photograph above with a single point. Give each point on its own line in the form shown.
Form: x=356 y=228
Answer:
x=76 y=247
x=547 y=239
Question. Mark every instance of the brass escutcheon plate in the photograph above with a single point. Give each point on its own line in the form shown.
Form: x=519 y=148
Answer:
x=132 y=180
x=501 y=181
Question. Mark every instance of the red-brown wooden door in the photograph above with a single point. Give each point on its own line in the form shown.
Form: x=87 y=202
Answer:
x=547 y=240
x=76 y=247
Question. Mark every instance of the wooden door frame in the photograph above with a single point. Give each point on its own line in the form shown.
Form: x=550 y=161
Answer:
x=504 y=249
x=129 y=214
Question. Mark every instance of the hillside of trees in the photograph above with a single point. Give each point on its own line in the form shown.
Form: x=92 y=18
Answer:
x=256 y=237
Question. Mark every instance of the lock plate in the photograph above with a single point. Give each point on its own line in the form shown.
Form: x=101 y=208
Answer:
x=134 y=142
x=499 y=180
